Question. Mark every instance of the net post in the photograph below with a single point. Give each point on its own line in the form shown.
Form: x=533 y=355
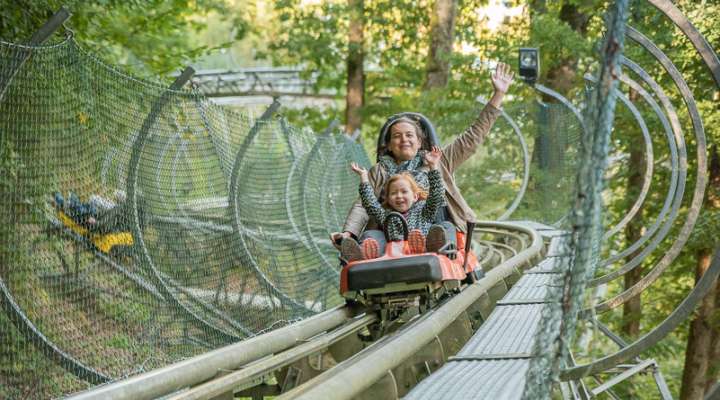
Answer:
x=183 y=78
x=52 y=24
x=39 y=37
x=272 y=108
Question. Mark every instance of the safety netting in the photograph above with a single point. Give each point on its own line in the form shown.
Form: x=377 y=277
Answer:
x=525 y=169
x=141 y=225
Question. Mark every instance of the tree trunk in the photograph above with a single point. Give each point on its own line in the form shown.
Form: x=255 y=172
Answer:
x=442 y=26
x=713 y=203
x=713 y=373
x=699 y=340
x=355 y=72
x=562 y=77
x=632 y=309
x=703 y=348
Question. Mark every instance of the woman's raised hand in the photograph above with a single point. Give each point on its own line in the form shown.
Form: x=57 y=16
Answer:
x=502 y=78
x=360 y=171
x=432 y=157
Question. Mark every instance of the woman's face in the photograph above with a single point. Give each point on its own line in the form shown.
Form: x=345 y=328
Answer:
x=400 y=195
x=404 y=142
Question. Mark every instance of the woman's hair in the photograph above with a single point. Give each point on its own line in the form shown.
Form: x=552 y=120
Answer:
x=422 y=193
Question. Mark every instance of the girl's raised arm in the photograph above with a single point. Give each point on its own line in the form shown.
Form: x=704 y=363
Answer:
x=437 y=189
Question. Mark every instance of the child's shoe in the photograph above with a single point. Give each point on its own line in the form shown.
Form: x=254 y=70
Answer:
x=370 y=248
x=436 y=239
x=350 y=250
x=416 y=241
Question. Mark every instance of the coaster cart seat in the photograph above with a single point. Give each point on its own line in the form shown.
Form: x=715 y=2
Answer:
x=398 y=279
x=110 y=243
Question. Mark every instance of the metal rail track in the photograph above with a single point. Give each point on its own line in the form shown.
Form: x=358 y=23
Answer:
x=255 y=357
x=256 y=370
x=204 y=367
x=352 y=377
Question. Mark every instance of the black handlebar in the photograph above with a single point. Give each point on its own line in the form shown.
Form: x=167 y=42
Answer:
x=403 y=222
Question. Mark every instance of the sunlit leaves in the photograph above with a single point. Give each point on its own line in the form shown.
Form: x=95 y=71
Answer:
x=149 y=37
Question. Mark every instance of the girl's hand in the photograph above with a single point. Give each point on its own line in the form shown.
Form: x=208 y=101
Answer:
x=360 y=171
x=433 y=157
x=502 y=78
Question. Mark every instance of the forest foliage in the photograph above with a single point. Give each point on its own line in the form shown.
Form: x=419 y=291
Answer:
x=158 y=37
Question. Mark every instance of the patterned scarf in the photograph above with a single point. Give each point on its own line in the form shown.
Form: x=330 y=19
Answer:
x=411 y=166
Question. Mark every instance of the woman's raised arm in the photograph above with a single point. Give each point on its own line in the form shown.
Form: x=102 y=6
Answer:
x=465 y=145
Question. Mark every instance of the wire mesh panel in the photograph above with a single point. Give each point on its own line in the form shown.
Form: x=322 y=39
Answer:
x=141 y=225
x=495 y=177
x=146 y=225
x=126 y=243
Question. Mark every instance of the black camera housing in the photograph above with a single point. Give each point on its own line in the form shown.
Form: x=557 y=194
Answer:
x=529 y=64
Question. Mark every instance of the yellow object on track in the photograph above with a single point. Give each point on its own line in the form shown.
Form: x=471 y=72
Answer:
x=103 y=242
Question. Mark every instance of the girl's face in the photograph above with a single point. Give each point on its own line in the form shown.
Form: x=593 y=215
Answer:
x=400 y=196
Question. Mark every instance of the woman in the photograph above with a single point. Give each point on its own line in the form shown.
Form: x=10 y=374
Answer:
x=402 y=153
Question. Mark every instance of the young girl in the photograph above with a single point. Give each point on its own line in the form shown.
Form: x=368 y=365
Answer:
x=403 y=195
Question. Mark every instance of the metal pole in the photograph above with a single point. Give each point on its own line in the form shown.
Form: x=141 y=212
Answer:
x=714 y=393
x=243 y=251
x=7 y=302
x=679 y=315
x=131 y=189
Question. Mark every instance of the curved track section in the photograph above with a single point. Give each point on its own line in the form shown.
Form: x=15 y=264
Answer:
x=659 y=230
x=666 y=222
x=351 y=378
x=675 y=173
x=649 y=165
x=700 y=179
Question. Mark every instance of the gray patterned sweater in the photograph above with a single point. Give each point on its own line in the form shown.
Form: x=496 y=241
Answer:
x=420 y=216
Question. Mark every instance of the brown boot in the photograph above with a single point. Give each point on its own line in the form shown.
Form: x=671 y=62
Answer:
x=436 y=239
x=350 y=250
x=416 y=241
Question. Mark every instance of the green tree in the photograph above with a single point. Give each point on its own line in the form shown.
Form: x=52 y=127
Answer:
x=148 y=37
x=355 y=68
x=441 y=42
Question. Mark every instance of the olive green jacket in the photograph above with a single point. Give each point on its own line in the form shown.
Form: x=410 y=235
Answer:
x=453 y=156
